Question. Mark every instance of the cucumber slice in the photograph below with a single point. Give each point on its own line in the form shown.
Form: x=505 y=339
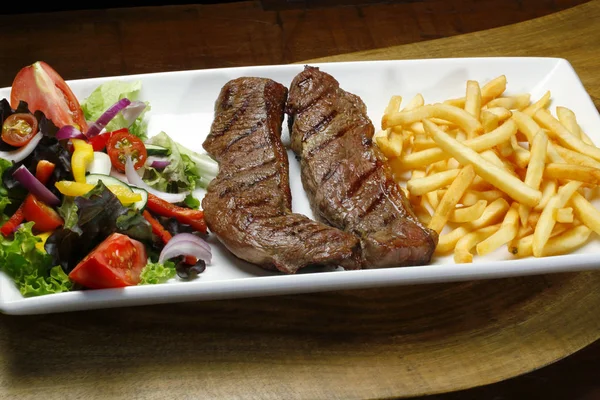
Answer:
x=154 y=150
x=110 y=181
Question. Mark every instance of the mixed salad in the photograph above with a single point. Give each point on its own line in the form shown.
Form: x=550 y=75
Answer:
x=87 y=199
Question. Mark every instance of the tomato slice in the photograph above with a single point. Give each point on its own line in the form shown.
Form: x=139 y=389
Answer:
x=116 y=262
x=44 y=89
x=43 y=216
x=122 y=144
x=19 y=128
x=98 y=142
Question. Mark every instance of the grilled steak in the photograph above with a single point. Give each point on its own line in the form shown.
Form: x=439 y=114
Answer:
x=348 y=185
x=248 y=205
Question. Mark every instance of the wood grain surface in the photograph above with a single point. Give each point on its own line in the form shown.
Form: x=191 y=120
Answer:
x=376 y=343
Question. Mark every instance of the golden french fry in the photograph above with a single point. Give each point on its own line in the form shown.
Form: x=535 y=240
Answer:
x=493 y=89
x=422 y=213
x=586 y=212
x=459 y=102
x=480 y=143
x=498 y=177
x=473 y=99
x=572 y=172
x=415 y=102
x=541 y=103
x=516 y=102
x=545 y=224
x=421 y=186
x=439 y=166
x=433 y=199
x=563 y=215
x=390 y=144
x=493 y=213
x=548 y=189
x=574 y=157
x=508 y=231
x=451 y=197
x=471 y=197
x=442 y=122
x=564 y=238
x=502 y=113
x=521 y=156
x=563 y=136
x=462 y=251
x=489 y=121
x=423 y=144
x=393 y=104
x=417 y=128
x=456 y=115
x=567 y=241
x=468 y=213
x=535 y=169
x=505 y=149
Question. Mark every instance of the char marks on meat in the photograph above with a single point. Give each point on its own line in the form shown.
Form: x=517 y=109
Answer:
x=348 y=185
x=248 y=205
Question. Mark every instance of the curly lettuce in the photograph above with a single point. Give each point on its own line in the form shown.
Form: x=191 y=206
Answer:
x=32 y=270
x=155 y=272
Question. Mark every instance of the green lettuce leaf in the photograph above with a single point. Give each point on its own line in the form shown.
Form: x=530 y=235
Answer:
x=178 y=176
x=154 y=273
x=108 y=94
x=31 y=269
x=187 y=169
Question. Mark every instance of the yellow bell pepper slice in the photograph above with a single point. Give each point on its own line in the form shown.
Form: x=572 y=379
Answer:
x=44 y=236
x=124 y=194
x=83 y=155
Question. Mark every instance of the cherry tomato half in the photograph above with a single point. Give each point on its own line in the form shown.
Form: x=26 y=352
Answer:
x=45 y=218
x=19 y=128
x=123 y=144
x=44 y=89
x=116 y=262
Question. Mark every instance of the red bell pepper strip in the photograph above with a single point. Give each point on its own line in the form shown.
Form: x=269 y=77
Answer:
x=164 y=234
x=15 y=220
x=43 y=172
x=188 y=216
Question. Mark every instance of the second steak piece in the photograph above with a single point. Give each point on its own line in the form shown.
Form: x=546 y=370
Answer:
x=347 y=183
x=248 y=205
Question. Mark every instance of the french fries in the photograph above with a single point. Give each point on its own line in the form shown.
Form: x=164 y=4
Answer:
x=492 y=170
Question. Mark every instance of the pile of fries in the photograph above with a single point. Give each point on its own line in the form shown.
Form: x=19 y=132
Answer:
x=492 y=170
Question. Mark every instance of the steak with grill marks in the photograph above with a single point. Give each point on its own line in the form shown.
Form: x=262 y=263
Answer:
x=248 y=205
x=348 y=184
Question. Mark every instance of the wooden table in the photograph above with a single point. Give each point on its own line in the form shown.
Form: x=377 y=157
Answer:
x=380 y=343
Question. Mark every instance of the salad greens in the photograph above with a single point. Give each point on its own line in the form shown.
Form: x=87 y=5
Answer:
x=42 y=261
x=156 y=272
x=32 y=269
x=89 y=219
x=187 y=169
x=109 y=93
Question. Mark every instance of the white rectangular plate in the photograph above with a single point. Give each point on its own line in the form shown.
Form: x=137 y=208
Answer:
x=182 y=105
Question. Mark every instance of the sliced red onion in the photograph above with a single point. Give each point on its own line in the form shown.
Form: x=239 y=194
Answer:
x=158 y=162
x=186 y=244
x=132 y=111
x=21 y=153
x=134 y=179
x=97 y=126
x=35 y=187
x=69 y=132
